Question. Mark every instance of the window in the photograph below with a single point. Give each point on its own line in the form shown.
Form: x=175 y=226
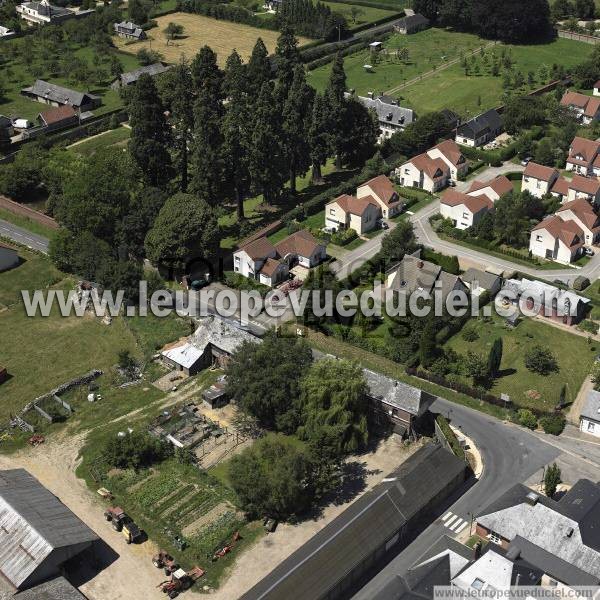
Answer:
x=237 y=260
x=538 y=238
x=495 y=538
x=591 y=426
x=332 y=211
x=406 y=171
x=477 y=584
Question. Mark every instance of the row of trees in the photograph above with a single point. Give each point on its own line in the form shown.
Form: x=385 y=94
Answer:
x=314 y=20
x=579 y=9
x=321 y=403
x=490 y=18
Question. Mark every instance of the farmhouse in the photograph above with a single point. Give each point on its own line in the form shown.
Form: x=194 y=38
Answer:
x=554 y=303
x=9 y=258
x=585 y=108
x=589 y=419
x=584 y=157
x=60 y=117
x=538 y=179
x=557 y=239
x=270 y=264
x=56 y=95
x=39 y=13
x=131 y=77
x=464 y=210
x=480 y=130
x=39 y=533
x=433 y=170
x=363 y=536
x=396 y=405
x=559 y=537
x=411 y=22
x=129 y=31
x=390 y=115
x=214 y=341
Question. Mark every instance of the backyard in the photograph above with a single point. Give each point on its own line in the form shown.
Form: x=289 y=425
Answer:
x=114 y=137
x=363 y=14
x=526 y=389
x=222 y=36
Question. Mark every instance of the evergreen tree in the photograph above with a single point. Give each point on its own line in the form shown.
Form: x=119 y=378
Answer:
x=206 y=74
x=427 y=346
x=150 y=133
x=234 y=79
x=318 y=136
x=495 y=358
x=267 y=157
x=361 y=133
x=297 y=112
x=552 y=478
x=337 y=108
x=177 y=97
x=259 y=68
x=287 y=57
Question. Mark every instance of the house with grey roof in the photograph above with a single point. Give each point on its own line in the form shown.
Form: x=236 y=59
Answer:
x=131 y=77
x=391 y=116
x=42 y=12
x=565 y=534
x=378 y=524
x=56 y=95
x=397 y=405
x=129 y=31
x=589 y=419
x=411 y=22
x=479 y=281
x=38 y=533
x=480 y=130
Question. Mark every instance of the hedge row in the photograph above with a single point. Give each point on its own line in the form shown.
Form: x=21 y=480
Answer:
x=450 y=436
x=384 y=5
x=496 y=157
x=226 y=12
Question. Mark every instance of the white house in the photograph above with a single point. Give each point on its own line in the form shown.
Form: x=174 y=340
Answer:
x=40 y=13
x=585 y=108
x=349 y=212
x=452 y=155
x=391 y=116
x=558 y=240
x=250 y=258
x=581 y=212
x=493 y=189
x=584 y=157
x=597 y=88
x=301 y=248
x=589 y=419
x=464 y=210
x=382 y=190
x=129 y=30
x=538 y=179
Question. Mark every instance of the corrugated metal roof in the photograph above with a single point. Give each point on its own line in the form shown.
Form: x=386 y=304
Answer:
x=33 y=522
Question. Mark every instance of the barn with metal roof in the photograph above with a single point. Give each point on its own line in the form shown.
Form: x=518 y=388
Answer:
x=38 y=533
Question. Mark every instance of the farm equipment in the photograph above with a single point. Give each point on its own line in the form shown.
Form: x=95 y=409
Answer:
x=105 y=493
x=124 y=524
x=227 y=548
x=180 y=581
x=36 y=440
x=163 y=560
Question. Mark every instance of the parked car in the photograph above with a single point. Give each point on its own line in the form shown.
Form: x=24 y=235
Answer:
x=588 y=252
x=526 y=161
x=383 y=224
x=452 y=183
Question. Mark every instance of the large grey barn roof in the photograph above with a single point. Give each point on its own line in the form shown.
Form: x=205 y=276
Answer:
x=152 y=70
x=368 y=523
x=487 y=121
x=388 y=112
x=221 y=333
x=33 y=522
x=54 y=589
x=57 y=93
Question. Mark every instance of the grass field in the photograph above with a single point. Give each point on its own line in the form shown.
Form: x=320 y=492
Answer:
x=450 y=87
x=427 y=49
x=17 y=76
x=573 y=353
x=114 y=137
x=368 y=14
x=221 y=36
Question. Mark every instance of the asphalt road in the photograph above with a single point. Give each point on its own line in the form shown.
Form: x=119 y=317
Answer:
x=511 y=455
x=23 y=236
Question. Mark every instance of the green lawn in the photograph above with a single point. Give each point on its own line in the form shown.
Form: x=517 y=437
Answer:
x=18 y=75
x=114 y=137
x=427 y=49
x=574 y=355
x=593 y=292
x=469 y=95
x=368 y=14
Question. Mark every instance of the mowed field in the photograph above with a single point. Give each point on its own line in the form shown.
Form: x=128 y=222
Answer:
x=367 y=14
x=199 y=31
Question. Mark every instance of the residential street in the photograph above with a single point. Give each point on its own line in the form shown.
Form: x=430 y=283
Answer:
x=511 y=455
x=23 y=236
x=352 y=260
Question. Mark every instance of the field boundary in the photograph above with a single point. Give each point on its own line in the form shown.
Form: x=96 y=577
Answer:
x=25 y=211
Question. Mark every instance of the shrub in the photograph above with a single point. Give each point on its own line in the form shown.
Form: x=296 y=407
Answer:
x=135 y=450
x=239 y=282
x=450 y=436
x=553 y=424
x=527 y=418
x=581 y=283
x=540 y=360
x=341 y=238
x=470 y=335
x=589 y=326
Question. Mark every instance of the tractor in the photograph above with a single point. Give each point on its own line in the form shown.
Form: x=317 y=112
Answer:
x=180 y=581
x=163 y=560
x=124 y=524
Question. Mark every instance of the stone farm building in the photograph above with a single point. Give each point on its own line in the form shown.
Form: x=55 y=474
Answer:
x=56 y=95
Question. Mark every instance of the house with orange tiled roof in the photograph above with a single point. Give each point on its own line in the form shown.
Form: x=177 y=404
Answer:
x=382 y=190
x=582 y=212
x=584 y=157
x=494 y=189
x=464 y=210
x=586 y=188
x=270 y=264
x=452 y=155
x=585 y=108
x=557 y=239
x=538 y=179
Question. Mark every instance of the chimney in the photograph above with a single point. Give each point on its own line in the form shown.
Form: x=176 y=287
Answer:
x=532 y=498
x=420 y=264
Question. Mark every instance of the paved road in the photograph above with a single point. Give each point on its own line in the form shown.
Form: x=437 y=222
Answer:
x=352 y=260
x=23 y=236
x=510 y=454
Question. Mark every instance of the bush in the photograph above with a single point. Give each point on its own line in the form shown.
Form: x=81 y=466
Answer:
x=135 y=450
x=553 y=424
x=341 y=238
x=239 y=282
x=450 y=436
x=470 y=335
x=581 y=283
x=588 y=326
x=527 y=418
x=540 y=360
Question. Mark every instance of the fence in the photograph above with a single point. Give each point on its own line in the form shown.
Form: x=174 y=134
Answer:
x=63 y=403
x=579 y=37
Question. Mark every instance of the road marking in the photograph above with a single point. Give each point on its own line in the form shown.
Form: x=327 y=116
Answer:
x=446 y=516
x=449 y=522
x=453 y=522
x=462 y=527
